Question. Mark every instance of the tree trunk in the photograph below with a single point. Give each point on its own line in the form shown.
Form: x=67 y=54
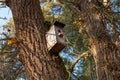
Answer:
x=104 y=51
x=31 y=42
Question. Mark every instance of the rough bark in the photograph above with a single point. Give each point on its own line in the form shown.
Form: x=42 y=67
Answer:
x=30 y=36
x=104 y=51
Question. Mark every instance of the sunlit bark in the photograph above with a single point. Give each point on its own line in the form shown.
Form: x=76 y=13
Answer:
x=31 y=42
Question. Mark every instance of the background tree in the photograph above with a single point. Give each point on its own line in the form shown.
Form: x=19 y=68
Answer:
x=101 y=44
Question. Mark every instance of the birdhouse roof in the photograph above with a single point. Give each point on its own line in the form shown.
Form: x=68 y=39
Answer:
x=59 y=24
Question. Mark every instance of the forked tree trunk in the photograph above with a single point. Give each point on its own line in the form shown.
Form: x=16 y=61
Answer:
x=104 y=51
x=30 y=35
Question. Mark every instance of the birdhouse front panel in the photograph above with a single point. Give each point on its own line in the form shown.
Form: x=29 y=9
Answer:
x=60 y=35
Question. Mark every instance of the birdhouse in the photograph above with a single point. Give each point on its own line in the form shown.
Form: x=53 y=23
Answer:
x=55 y=38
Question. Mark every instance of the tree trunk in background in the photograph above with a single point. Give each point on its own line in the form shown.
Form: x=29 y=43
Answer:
x=104 y=51
x=30 y=35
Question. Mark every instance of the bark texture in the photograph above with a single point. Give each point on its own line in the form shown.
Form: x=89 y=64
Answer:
x=30 y=36
x=104 y=51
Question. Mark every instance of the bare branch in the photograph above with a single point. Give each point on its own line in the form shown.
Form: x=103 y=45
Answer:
x=3 y=18
x=5 y=39
x=2 y=1
x=78 y=58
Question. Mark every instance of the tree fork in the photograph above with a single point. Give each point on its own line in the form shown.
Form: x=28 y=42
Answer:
x=33 y=53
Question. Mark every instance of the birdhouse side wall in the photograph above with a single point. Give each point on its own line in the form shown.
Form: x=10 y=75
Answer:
x=51 y=38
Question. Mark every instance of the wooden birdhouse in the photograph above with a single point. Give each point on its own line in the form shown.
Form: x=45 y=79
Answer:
x=55 y=38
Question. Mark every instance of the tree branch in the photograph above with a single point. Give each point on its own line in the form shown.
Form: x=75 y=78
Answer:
x=5 y=39
x=78 y=58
